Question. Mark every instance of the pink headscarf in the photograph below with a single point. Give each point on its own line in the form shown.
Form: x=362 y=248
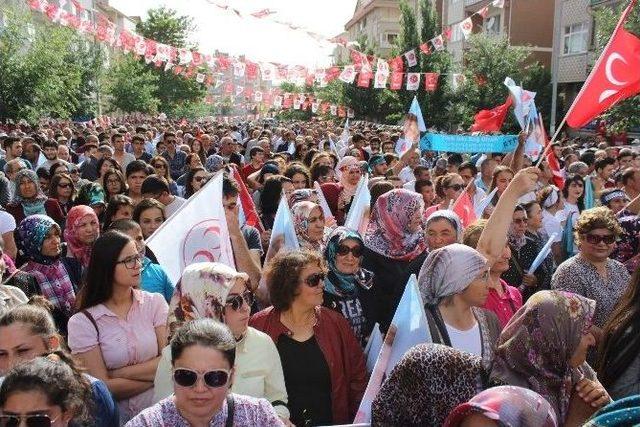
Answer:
x=388 y=231
x=78 y=249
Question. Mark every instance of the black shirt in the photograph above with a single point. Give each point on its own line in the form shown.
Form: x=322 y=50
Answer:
x=308 y=381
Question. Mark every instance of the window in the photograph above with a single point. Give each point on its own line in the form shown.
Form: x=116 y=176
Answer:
x=389 y=39
x=575 y=38
x=492 y=25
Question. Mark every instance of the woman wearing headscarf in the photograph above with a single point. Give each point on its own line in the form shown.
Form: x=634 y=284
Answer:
x=83 y=228
x=551 y=200
x=29 y=199
x=427 y=383
x=443 y=228
x=394 y=248
x=214 y=163
x=56 y=278
x=340 y=195
x=347 y=287
x=216 y=291
x=506 y=406
x=308 y=221
x=453 y=284
x=303 y=195
x=544 y=348
x=621 y=413
x=526 y=242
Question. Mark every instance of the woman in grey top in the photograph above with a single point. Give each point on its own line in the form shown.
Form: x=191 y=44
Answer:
x=592 y=273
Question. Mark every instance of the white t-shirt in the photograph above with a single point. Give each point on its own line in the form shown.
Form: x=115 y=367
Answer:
x=406 y=174
x=551 y=224
x=468 y=340
x=7 y=222
x=172 y=207
x=411 y=185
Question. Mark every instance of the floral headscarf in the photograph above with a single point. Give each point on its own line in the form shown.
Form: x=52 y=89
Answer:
x=338 y=283
x=448 y=271
x=214 y=163
x=50 y=274
x=202 y=292
x=535 y=346
x=301 y=212
x=303 y=195
x=388 y=230
x=31 y=232
x=31 y=206
x=510 y=406
x=430 y=380
x=76 y=247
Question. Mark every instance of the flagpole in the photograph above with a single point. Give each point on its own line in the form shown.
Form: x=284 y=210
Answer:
x=555 y=135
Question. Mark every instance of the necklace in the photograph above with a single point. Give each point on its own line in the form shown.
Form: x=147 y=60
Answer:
x=299 y=327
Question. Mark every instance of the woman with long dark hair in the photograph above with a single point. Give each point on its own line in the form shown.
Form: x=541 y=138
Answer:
x=119 y=330
x=194 y=180
x=618 y=365
x=63 y=190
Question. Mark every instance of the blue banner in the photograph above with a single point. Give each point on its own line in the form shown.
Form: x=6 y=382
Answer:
x=469 y=143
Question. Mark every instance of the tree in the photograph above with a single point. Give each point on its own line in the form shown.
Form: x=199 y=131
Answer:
x=489 y=60
x=44 y=70
x=165 y=26
x=132 y=86
x=624 y=115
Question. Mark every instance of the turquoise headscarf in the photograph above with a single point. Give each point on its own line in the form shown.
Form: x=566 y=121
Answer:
x=338 y=283
x=623 y=412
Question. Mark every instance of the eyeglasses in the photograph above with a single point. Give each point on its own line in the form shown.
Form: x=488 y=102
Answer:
x=521 y=220
x=237 y=301
x=595 y=239
x=131 y=262
x=456 y=187
x=30 y=420
x=315 y=279
x=198 y=178
x=344 y=250
x=187 y=378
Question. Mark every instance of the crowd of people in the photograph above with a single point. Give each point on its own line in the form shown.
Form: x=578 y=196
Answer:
x=93 y=331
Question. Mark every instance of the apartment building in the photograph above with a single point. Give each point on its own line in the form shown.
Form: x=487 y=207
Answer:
x=526 y=23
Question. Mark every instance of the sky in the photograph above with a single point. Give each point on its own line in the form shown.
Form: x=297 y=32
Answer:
x=259 y=40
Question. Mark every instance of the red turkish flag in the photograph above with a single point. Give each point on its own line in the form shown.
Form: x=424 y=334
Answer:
x=491 y=120
x=332 y=73
x=396 y=64
x=463 y=206
x=614 y=78
x=431 y=81
x=251 y=70
x=396 y=81
x=364 y=79
x=424 y=48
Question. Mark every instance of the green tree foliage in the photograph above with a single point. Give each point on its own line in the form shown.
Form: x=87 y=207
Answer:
x=165 y=26
x=624 y=115
x=488 y=61
x=47 y=71
x=131 y=86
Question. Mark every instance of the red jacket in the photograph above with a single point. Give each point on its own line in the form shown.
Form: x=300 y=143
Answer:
x=341 y=350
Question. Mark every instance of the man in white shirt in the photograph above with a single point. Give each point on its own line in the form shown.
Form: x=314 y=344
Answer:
x=156 y=187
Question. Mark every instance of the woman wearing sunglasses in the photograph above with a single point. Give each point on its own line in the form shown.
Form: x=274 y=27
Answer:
x=194 y=180
x=448 y=188
x=592 y=273
x=118 y=329
x=63 y=190
x=347 y=286
x=43 y=393
x=323 y=363
x=161 y=166
x=27 y=332
x=214 y=290
x=203 y=353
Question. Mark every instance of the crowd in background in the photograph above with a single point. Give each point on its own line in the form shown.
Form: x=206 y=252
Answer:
x=94 y=332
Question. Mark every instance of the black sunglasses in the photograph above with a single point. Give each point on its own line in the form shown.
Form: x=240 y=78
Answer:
x=344 y=250
x=64 y=185
x=595 y=239
x=315 y=279
x=188 y=378
x=34 y=420
x=456 y=187
x=237 y=301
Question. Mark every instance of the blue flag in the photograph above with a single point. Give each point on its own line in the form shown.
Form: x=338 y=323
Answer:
x=416 y=111
x=283 y=227
x=469 y=143
x=589 y=201
x=358 y=216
